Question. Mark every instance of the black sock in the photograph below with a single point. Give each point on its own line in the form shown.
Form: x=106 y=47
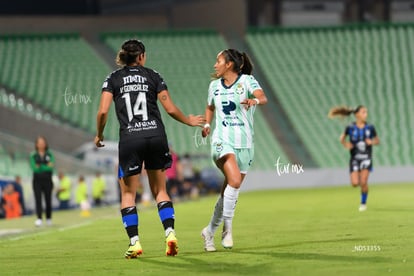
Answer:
x=130 y=221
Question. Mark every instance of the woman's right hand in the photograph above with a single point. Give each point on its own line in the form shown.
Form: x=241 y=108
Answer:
x=348 y=145
x=98 y=141
x=196 y=120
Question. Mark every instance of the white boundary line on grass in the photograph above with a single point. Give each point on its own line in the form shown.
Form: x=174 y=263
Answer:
x=61 y=229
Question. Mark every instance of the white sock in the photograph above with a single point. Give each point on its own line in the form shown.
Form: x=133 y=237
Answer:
x=168 y=231
x=217 y=216
x=134 y=239
x=229 y=205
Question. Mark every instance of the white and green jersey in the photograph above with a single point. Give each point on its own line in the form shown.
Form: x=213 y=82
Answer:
x=234 y=123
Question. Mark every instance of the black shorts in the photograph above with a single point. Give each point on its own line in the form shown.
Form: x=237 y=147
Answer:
x=154 y=151
x=357 y=165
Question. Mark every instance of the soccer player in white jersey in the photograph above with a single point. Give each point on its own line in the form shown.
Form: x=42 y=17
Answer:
x=232 y=97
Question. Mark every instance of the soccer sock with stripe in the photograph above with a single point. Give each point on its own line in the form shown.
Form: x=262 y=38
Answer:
x=130 y=221
x=364 y=196
x=217 y=216
x=166 y=213
x=229 y=205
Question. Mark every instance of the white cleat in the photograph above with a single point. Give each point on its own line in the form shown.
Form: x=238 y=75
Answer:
x=38 y=223
x=362 y=207
x=227 y=240
x=208 y=240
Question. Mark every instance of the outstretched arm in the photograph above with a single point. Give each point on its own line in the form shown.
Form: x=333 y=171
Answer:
x=176 y=113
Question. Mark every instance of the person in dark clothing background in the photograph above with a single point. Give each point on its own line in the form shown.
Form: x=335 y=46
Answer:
x=42 y=162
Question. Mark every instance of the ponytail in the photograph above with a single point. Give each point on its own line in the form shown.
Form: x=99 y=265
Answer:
x=342 y=111
x=129 y=52
x=247 y=66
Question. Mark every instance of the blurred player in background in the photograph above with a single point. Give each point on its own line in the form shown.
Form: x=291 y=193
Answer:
x=232 y=97
x=42 y=162
x=64 y=191
x=361 y=137
x=82 y=199
x=98 y=189
x=135 y=90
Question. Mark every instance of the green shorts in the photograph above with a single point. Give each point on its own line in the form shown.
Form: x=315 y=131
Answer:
x=244 y=156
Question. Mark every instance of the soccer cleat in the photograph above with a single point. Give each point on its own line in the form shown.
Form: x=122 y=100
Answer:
x=133 y=251
x=38 y=222
x=171 y=244
x=227 y=240
x=208 y=240
x=362 y=207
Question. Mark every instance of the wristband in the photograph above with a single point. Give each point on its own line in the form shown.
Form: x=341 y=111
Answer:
x=207 y=125
x=257 y=100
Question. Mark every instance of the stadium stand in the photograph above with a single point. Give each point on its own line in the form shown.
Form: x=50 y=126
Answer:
x=185 y=59
x=62 y=75
x=59 y=72
x=314 y=69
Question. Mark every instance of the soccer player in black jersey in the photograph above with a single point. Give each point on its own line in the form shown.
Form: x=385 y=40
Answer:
x=361 y=137
x=135 y=90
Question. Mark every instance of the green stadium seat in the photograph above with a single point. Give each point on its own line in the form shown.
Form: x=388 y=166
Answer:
x=314 y=69
x=51 y=64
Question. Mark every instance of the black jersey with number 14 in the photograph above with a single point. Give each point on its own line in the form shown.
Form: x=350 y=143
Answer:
x=135 y=92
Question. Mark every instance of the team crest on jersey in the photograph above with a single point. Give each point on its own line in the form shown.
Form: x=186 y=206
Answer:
x=219 y=147
x=367 y=133
x=239 y=89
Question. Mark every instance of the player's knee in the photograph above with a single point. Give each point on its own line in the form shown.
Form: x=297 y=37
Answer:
x=355 y=183
x=235 y=182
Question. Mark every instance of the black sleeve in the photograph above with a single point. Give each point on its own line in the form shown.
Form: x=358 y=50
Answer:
x=373 y=132
x=161 y=85
x=346 y=132
x=108 y=85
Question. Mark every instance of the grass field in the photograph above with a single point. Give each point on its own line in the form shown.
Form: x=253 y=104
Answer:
x=282 y=232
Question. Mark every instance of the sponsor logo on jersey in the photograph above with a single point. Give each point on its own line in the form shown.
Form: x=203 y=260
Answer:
x=228 y=107
x=232 y=124
x=134 y=79
x=144 y=125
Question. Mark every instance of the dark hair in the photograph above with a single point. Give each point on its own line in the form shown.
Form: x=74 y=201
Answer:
x=129 y=52
x=342 y=111
x=44 y=139
x=241 y=61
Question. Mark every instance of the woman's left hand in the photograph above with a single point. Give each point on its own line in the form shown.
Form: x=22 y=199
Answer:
x=249 y=103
